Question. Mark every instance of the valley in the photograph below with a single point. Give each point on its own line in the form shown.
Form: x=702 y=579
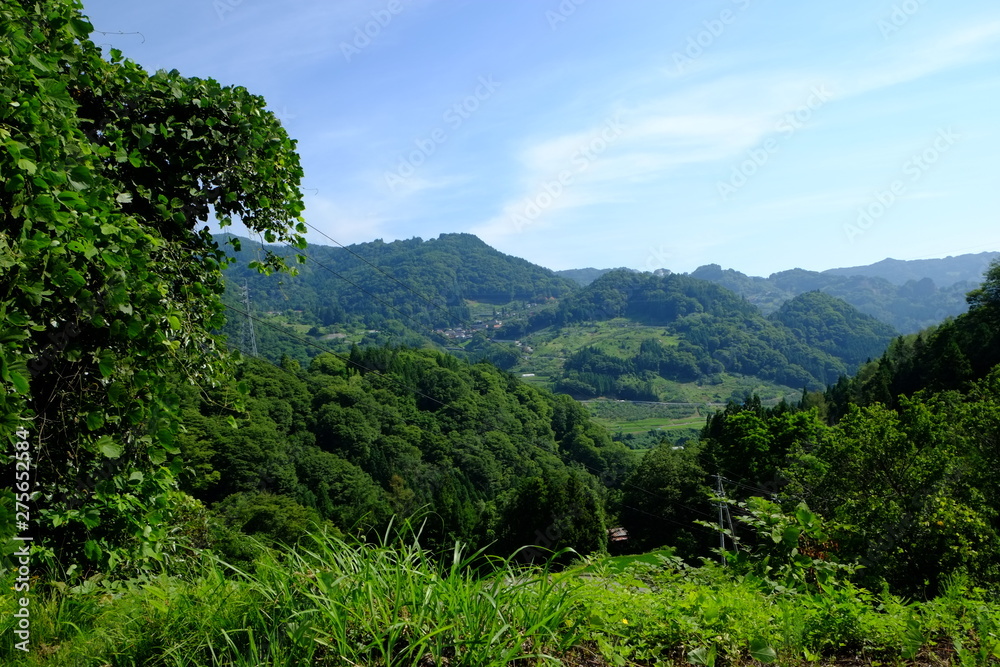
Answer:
x=254 y=450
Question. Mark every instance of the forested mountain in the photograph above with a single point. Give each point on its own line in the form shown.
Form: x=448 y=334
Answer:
x=416 y=281
x=942 y=358
x=702 y=330
x=441 y=292
x=835 y=327
x=907 y=306
x=904 y=452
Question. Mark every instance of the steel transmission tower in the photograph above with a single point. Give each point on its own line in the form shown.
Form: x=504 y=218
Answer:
x=249 y=342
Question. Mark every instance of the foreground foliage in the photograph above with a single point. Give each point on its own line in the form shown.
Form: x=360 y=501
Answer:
x=107 y=285
x=330 y=602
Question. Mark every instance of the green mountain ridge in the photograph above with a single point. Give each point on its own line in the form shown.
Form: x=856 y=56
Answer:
x=695 y=331
x=427 y=280
x=910 y=295
x=457 y=293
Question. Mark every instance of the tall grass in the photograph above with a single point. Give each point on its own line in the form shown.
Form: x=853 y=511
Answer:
x=331 y=602
x=326 y=603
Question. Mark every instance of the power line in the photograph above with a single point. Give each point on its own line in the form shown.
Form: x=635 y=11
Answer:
x=341 y=357
x=380 y=270
x=648 y=492
x=355 y=285
x=450 y=315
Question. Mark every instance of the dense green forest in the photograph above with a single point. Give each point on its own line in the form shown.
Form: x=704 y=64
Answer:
x=394 y=433
x=174 y=502
x=421 y=283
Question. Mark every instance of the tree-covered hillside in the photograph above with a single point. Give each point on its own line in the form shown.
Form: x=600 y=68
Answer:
x=416 y=282
x=941 y=358
x=902 y=455
x=391 y=432
x=835 y=327
x=170 y=503
x=699 y=330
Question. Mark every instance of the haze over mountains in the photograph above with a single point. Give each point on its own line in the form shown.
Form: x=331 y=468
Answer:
x=910 y=295
x=641 y=336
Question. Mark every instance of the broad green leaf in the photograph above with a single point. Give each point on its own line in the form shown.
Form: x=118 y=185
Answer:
x=75 y=279
x=702 y=656
x=20 y=383
x=92 y=550
x=95 y=420
x=17 y=319
x=33 y=59
x=805 y=517
x=109 y=447
x=761 y=651
x=81 y=28
x=790 y=536
x=157 y=455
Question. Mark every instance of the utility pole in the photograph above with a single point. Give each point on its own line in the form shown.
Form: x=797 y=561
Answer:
x=722 y=533
x=249 y=337
x=732 y=531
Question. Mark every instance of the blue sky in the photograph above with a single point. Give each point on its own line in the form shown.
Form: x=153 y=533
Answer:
x=759 y=135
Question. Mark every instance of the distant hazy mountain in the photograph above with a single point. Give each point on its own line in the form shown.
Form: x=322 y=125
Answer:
x=909 y=295
x=944 y=272
x=582 y=277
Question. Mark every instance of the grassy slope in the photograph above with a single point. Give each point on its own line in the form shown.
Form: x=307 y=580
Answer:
x=334 y=603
